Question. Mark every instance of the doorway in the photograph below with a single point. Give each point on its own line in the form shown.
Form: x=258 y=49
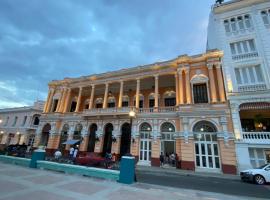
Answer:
x=125 y=139
x=107 y=144
x=92 y=138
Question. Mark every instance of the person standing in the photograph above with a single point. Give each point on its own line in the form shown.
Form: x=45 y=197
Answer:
x=71 y=151
x=75 y=153
x=161 y=159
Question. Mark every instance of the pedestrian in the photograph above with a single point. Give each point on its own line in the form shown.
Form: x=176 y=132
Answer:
x=75 y=153
x=57 y=154
x=161 y=159
x=172 y=158
x=71 y=151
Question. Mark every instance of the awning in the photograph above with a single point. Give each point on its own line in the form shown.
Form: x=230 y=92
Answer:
x=71 y=142
x=255 y=106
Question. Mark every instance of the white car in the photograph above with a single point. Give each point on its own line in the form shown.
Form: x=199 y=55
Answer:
x=260 y=175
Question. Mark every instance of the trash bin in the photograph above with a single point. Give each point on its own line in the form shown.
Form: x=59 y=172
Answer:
x=38 y=154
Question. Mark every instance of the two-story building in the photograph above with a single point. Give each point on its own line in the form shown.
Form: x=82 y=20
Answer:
x=241 y=28
x=177 y=106
x=19 y=125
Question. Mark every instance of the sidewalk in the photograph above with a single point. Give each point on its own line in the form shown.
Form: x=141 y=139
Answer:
x=173 y=171
x=31 y=184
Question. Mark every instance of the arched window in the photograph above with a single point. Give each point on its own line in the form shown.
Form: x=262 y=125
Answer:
x=125 y=101
x=141 y=100
x=206 y=145
x=167 y=127
x=151 y=100
x=199 y=83
x=169 y=98
x=111 y=102
x=204 y=126
x=15 y=121
x=145 y=127
x=73 y=104
x=99 y=102
x=36 y=121
x=86 y=104
x=77 y=132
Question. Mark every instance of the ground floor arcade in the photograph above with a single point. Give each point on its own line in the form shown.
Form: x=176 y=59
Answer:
x=198 y=144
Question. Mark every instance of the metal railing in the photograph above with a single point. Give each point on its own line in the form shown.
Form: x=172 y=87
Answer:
x=245 y=56
x=252 y=88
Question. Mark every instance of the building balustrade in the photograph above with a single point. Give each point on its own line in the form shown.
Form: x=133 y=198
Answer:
x=256 y=137
x=126 y=110
x=240 y=32
x=245 y=56
x=252 y=88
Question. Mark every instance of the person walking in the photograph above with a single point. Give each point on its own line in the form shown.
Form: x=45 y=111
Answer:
x=161 y=159
x=71 y=151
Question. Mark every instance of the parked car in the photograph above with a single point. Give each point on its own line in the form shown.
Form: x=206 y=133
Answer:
x=260 y=175
x=91 y=159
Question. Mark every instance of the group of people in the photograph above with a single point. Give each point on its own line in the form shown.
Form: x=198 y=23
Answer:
x=171 y=159
x=72 y=153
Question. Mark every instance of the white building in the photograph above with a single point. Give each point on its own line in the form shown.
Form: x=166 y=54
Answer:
x=19 y=125
x=241 y=28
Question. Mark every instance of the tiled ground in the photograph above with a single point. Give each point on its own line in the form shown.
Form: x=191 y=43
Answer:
x=32 y=184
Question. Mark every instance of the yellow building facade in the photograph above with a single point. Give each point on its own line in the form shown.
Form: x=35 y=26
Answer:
x=179 y=108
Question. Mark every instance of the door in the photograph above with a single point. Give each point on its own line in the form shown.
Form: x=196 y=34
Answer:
x=207 y=155
x=145 y=148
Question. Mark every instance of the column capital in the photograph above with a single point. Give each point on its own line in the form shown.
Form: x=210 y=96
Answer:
x=186 y=70
x=80 y=88
x=210 y=65
x=93 y=86
x=156 y=76
x=217 y=65
x=176 y=74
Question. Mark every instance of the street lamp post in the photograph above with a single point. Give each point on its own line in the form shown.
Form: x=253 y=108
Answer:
x=132 y=115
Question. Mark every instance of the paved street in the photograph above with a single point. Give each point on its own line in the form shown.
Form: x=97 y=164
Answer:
x=211 y=184
x=31 y=184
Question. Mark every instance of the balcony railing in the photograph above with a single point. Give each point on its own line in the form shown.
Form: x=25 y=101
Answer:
x=240 y=32
x=245 y=56
x=106 y=111
x=252 y=88
x=126 y=110
x=256 y=137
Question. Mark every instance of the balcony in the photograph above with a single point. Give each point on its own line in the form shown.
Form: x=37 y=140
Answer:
x=252 y=88
x=107 y=111
x=245 y=56
x=126 y=110
x=256 y=137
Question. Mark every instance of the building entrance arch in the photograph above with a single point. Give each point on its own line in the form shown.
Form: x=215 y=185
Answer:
x=107 y=142
x=125 y=139
x=45 y=135
x=206 y=146
x=92 y=138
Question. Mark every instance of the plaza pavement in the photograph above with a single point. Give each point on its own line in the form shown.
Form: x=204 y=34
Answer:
x=20 y=183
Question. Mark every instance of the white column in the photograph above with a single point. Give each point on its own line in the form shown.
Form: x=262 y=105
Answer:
x=181 y=86
x=63 y=100
x=188 y=92
x=67 y=100
x=176 y=88
x=121 y=94
x=138 y=93
x=50 y=101
x=156 y=91
x=105 y=96
x=220 y=83
x=92 y=97
x=46 y=104
x=212 y=83
x=79 y=100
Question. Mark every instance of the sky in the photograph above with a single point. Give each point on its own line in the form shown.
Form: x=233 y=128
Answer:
x=41 y=41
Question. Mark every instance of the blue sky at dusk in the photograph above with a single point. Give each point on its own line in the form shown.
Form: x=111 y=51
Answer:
x=42 y=41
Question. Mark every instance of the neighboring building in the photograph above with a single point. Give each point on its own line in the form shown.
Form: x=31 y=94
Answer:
x=241 y=28
x=19 y=125
x=180 y=107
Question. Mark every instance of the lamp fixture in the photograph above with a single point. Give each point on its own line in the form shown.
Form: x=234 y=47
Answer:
x=114 y=140
x=132 y=113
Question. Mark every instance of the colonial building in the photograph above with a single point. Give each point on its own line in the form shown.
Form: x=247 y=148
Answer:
x=241 y=28
x=19 y=125
x=178 y=106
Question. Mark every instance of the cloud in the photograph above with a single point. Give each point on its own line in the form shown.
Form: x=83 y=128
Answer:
x=45 y=40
